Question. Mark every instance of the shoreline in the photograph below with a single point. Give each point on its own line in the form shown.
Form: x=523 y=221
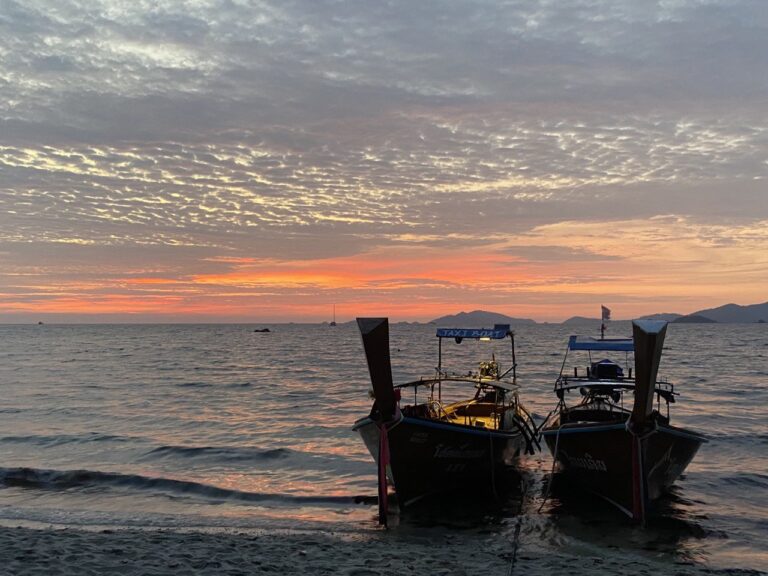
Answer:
x=160 y=552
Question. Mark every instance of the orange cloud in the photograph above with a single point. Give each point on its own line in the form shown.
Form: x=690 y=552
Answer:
x=637 y=266
x=384 y=267
x=151 y=281
x=94 y=304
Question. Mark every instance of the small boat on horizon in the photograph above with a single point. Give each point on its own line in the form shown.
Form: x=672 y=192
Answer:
x=628 y=455
x=333 y=322
x=459 y=432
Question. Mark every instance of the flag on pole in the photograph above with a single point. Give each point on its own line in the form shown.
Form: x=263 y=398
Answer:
x=605 y=316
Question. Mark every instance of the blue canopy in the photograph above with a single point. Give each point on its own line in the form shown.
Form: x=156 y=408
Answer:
x=499 y=331
x=589 y=343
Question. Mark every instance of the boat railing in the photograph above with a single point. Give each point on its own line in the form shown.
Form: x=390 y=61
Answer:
x=505 y=398
x=505 y=384
x=663 y=389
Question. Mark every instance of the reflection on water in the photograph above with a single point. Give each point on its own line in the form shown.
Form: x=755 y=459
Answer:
x=217 y=426
x=670 y=532
x=467 y=511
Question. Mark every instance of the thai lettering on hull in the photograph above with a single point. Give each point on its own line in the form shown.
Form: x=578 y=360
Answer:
x=464 y=451
x=587 y=462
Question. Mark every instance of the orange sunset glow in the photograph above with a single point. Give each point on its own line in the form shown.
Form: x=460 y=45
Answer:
x=635 y=266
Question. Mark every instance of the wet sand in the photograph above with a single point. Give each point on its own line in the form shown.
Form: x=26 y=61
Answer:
x=53 y=551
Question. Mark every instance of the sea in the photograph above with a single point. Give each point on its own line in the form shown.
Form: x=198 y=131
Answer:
x=221 y=427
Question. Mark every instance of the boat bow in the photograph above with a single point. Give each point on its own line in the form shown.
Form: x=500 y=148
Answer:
x=648 y=336
x=375 y=334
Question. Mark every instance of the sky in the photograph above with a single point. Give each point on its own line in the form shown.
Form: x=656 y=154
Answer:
x=265 y=161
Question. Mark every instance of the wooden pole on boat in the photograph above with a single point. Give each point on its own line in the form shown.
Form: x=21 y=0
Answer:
x=638 y=480
x=514 y=359
x=648 y=336
x=375 y=334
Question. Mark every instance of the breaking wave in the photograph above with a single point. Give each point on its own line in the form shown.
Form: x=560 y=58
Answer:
x=40 y=479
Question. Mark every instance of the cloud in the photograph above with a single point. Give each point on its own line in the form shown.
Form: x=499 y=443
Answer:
x=670 y=262
x=169 y=134
x=558 y=254
x=231 y=64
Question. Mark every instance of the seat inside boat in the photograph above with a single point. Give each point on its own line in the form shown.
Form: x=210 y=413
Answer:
x=472 y=413
x=475 y=409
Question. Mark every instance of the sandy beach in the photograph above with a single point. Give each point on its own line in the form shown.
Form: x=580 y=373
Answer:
x=162 y=552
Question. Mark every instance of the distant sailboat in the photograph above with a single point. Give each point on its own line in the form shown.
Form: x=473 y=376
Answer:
x=333 y=322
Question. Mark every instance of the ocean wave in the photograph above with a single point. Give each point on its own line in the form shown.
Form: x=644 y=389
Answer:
x=59 y=439
x=750 y=438
x=52 y=480
x=752 y=480
x=194 y=384
x=230 y=453
x=735 y=572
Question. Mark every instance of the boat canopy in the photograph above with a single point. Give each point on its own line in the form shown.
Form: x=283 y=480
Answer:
x=589 y=343
x=496 y=333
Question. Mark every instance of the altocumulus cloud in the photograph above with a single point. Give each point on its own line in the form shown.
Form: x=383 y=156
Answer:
x=314 y=129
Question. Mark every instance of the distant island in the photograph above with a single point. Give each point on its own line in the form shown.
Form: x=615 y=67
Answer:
x=734 y=313
x=581 y=320
x=693 y=319
x=727 y=314
x=665 y=316
x=479 y=319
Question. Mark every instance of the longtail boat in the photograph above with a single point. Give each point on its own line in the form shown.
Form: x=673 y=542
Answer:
x=435 y=445
x=626 y=452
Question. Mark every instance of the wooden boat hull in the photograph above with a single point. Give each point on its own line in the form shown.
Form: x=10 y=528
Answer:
x=599 y=458
x=429 y=457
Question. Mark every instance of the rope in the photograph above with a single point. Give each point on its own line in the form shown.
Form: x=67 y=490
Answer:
x=551 y=413
x=530 y=433
x=650 y=432
x=493 y=467
x=552 y=472
x=516 y=539
x=382 y=474
x=639 y=495
x=384 y=460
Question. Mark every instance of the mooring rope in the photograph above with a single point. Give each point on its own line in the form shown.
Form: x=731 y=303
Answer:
x=516 y=539
x=639 y=495
x=383 y=462
x=552 y=472
x=493 y=467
